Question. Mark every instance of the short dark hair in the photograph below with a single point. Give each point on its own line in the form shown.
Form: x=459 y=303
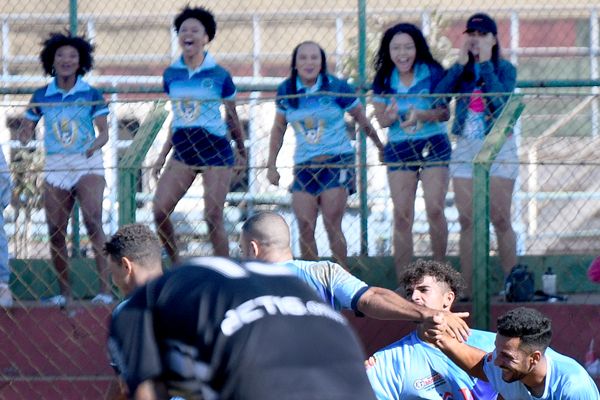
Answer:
x=137 y=242
x=414 y=273
x=57 y=40
x=206 y=18
x=531 y=326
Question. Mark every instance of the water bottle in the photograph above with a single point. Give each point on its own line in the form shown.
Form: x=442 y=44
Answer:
x=549 y=282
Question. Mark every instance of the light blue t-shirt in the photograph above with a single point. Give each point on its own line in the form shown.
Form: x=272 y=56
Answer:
x=413 y=369
x=565 y=380
x=318 y=121
x=197 y=94
x=68 y=116
x=409 y=97
x=336 y=286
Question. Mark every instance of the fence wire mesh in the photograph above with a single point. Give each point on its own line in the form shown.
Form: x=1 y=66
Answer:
x=48 y=351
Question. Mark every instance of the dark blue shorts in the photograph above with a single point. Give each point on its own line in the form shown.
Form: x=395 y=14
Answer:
x=197 y=147
x=415 y=154
x=316 y=177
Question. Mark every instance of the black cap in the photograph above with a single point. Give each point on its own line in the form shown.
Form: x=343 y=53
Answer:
x=482 y=23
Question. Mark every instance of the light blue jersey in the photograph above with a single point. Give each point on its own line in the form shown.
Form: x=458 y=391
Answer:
x=336 y=286
x=318 y=121
x=413 y=369
x=425 y=79
x=68 y=116
x=197 y=94
x=565 y=380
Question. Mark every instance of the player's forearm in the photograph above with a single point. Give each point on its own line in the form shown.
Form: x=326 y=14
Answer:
x=469 y=358
x=385 y=304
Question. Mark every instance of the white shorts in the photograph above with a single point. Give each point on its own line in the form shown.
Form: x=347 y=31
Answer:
x=506 y=164
x=65 y=170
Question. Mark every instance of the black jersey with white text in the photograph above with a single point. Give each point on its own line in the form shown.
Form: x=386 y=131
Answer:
x=231 y=330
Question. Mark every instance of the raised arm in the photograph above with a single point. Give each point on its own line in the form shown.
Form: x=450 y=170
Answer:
x=381 y=303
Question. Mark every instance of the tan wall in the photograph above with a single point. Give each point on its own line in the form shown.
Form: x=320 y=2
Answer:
x=141 y=27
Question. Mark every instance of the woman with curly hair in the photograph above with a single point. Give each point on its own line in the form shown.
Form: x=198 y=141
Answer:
x=74 y=168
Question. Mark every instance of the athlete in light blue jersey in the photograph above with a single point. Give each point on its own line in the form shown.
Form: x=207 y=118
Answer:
x=69 y=127
x=198 y=87
x=197 y=94
x=415 y=369
x=336 y=286
x=266 y=236
x=73 y=165
x=418 y=147
x=314 y=103
x=522 y=366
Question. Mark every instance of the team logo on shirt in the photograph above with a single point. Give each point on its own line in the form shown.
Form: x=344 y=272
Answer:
x=311 y=128
x=65 y=131
x=325 y=101
x=207 y=83
x=187 y=109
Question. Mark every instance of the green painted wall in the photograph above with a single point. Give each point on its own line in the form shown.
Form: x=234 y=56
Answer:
x=35 y=278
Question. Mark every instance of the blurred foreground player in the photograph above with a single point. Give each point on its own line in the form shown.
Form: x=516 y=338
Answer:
x=217 y=329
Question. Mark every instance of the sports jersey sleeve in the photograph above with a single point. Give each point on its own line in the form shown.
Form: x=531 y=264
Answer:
x=281 y=102
x=229 y=91
x=347 y=102
x=384 y=376
x=132 y=345
x=100 y=107
x=34 y=112
x=166 y=81
x=378 y=94
x=347 y=289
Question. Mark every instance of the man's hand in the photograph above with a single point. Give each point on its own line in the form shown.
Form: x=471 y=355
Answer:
x=445 y=322
x=370 y=362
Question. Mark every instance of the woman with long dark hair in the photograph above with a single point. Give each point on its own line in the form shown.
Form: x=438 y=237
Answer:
x=482 y=79
x=314 y=103
x=418 y=148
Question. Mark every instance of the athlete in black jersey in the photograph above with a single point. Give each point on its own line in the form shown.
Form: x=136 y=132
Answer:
x=226 y=330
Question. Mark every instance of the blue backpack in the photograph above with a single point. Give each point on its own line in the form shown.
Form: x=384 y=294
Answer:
x=519 y=285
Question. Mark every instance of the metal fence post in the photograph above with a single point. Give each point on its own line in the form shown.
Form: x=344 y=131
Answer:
x=503 y=127
x=362 y=149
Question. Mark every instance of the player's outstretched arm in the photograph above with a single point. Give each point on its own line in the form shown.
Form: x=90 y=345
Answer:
x=381 y=303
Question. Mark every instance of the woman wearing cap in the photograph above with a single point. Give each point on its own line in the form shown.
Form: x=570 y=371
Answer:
x=418 y=147
x=198 y=86
x=480 y=70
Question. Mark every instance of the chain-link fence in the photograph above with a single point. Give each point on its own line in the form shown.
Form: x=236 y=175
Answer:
x=555 y=203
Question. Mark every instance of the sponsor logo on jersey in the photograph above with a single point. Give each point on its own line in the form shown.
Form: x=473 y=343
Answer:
x=429 y=382
x=263 y=306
